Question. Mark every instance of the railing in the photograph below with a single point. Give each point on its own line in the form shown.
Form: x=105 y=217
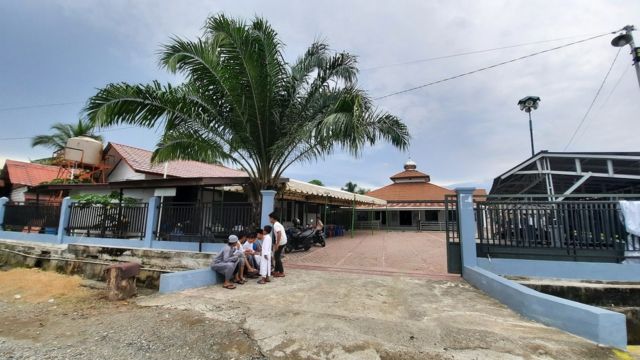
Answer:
x=31 y=216
x=435 y=225
x=578 y=230
x=111 y=221
x=368 y=224
x=203 y=222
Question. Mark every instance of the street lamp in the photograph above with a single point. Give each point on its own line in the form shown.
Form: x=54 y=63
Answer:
x=627 y=39
x=527 y=104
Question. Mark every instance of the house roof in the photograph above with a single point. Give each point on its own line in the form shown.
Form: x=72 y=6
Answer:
x=140 y=161
x=30 y=174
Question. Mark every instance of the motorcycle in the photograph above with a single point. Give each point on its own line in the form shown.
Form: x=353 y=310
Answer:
x=299 y=238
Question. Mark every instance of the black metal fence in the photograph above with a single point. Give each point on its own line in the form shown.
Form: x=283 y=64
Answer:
x=566 y=230
x=110 y=221
x=203 y=222
x=31 y=216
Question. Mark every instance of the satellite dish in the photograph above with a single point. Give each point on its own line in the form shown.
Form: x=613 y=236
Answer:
x=621 y=40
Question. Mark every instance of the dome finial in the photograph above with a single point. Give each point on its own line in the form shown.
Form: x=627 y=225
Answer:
x=410 y=165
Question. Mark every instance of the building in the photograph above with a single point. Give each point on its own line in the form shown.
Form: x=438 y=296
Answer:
x=413 y=202
x=18 y=177
x=197 y=198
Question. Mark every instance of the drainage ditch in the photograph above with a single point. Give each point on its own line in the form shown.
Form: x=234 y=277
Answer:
x=615 y=296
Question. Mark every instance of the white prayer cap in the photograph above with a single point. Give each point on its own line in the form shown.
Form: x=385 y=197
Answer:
x=233 y=239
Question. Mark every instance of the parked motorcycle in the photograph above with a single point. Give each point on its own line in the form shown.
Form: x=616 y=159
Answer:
x=299 y=238
x=319 y=238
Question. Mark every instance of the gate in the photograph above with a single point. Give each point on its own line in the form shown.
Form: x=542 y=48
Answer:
x=454 y=260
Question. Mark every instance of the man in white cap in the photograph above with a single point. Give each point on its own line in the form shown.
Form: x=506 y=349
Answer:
x=228 y=263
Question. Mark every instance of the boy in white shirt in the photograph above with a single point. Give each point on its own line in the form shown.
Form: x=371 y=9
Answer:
x=265 y=258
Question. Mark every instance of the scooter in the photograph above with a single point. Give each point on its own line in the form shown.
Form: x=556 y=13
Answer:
x=299 y=239
x=319 y=238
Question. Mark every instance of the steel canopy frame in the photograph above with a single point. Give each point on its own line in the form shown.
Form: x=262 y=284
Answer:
x=571 y=173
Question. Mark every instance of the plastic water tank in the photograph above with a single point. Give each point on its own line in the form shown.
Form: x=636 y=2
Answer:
x=83 y=150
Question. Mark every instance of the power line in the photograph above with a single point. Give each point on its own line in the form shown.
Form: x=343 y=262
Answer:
x=418 y=61
x=593 y=101
x=491 y=66
x=606 y=100
x=99 y=131
x=40 y=106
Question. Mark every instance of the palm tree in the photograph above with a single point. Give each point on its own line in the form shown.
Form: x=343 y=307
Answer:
x=62 y=132
x=242 y=104
x=350 y=187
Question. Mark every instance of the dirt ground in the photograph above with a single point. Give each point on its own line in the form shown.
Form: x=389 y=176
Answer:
x=306 y=315
x=45 y=315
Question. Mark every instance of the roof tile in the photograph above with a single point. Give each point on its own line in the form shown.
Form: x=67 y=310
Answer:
x=140 y=161
x=31 y=174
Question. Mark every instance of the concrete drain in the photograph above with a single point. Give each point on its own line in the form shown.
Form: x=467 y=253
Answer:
x=619 y=297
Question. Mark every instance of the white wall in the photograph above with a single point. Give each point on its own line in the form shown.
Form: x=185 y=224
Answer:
x=124 y=172
x=17 y=193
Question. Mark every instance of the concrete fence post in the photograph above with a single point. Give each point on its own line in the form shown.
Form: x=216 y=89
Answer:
x=65 y=215
x=268 y=203
x=3 y=202
x=467 y=227
x=152 y=220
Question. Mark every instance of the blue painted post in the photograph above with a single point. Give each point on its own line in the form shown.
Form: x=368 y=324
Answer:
x=152 y=220
x=467 y=227
x=3 y=202
x=65 y=214
x=268 y=202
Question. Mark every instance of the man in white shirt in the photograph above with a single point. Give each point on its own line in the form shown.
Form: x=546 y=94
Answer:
x=279 y=242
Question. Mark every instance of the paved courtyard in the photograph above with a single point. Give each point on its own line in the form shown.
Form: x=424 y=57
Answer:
x=333 y=315
x=421 y=254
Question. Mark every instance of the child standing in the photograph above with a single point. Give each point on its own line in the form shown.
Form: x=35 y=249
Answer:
x=265 y=258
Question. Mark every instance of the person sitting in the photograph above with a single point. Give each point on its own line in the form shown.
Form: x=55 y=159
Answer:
x=253 y=257
x=249 y=268
x=229 y=264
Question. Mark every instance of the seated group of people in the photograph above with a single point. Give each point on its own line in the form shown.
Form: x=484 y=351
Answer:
x=246 y=255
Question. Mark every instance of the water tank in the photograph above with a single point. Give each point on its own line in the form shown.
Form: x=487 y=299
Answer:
x=83 y=150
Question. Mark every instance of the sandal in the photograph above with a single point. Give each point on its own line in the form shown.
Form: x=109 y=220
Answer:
x=262 y=282
x=241 y=281
x=230 y=286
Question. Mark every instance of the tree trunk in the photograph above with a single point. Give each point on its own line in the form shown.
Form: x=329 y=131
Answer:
x=254 y=198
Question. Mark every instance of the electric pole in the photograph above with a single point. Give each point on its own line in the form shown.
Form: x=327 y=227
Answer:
x=627 y=39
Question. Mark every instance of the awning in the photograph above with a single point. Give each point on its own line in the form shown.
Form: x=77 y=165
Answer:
x=320 y=194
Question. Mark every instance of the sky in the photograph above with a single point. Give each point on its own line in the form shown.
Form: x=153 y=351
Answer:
x=465 y=131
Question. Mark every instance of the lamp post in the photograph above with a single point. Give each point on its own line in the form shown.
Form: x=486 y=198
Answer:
x=627 y=39
x=527 y=104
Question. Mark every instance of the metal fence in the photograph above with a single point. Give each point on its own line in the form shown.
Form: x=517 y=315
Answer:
x=203 y=222
x=111 y=221
x=31 y=216
x=577 y=230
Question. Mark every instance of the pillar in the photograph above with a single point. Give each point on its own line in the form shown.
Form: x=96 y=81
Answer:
x=3 y=202
x=153 y=210
x=268 y=203
x=65 y=214
x=466 y=226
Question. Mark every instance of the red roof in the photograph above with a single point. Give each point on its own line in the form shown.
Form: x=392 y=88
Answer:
x=30 y=174
x=411 y=174
x=140 y=161
x=414 y=191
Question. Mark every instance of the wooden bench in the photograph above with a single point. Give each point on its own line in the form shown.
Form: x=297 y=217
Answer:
x=368 y=224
